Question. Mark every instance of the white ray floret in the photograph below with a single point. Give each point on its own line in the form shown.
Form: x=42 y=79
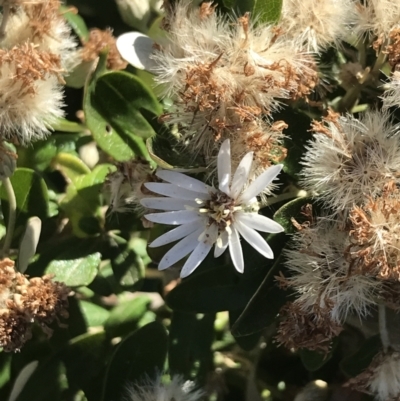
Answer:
x=208 y=217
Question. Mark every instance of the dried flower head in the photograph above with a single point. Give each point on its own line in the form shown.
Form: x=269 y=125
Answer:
x=101 y=40
x=321 y=274
x=314 y=25
x=31 y=96
x=381 y=378
x=349 y=159
x=126 y=185
x=375 y=236
x=24 y=302
x=40 y=23
x=304 y=328
x=225 y=75
x=177 y=389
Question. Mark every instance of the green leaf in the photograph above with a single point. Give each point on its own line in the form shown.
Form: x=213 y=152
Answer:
x=76 y=22
x=44 y=384
x=354 y=364
x=314 y=360
x=31 y=196
x=41 y=153
x=75 y=272
x=127 y=265
x=84 y=359
x=291 y=210
x=5 y=368
x=264 y=306
x=124 y=318
x=69 y=165
x=190 y=342
x=82 y=200
x=94 y=314
x=262 y=11
x=140 y=355
x=118 y=106
x=267 y=11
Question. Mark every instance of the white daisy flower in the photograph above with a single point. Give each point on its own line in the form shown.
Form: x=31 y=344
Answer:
x=207 y=215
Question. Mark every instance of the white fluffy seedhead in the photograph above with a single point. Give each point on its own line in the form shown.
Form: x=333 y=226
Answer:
x=314 y=25
x=225 y=74
x=41 y=23
x=177 y=389
x=31 y=94
x=378 y=17
x=321 y=274
x=350 y=160
x=391 y=96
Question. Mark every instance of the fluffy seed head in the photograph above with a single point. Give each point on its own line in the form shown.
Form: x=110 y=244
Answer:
x=31 y=96
x=349 y=159
x=224 y=75
x=314 y=25
x=381 y=378
x=177 y=389
x=321 y=273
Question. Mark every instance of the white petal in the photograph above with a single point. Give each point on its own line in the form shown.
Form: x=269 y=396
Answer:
x=177 y=233
x=195 y=258
x=259 y=222
x=174 y=191
x=180 y=250
x=235 y=249
x=241 y=175
x=136 y=48
x=174 y=218
x=183 y=181
x=254 y=239
x=224 y=166
x=168 y=204
x=221 y=244
x=260 y=183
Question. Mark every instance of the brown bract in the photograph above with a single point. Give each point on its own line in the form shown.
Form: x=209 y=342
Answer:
x=25 y=301
x=103 y=40
x=300 y=328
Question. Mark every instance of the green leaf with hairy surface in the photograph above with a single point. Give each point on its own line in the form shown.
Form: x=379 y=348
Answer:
x=190 y=341
x=139 y=356
x=31 y=196
x=76 y=22
x=354 y=364
x=291 y=210
x=83 y=199
x=69 y=165
x=75 y=272
x=94 y=315
x=256 y=316
x=124 y=318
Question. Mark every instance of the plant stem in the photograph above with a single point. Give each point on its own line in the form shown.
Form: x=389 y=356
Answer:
x=287 y=195
x=12 y=206
x=383 y=328
x=6 y=14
